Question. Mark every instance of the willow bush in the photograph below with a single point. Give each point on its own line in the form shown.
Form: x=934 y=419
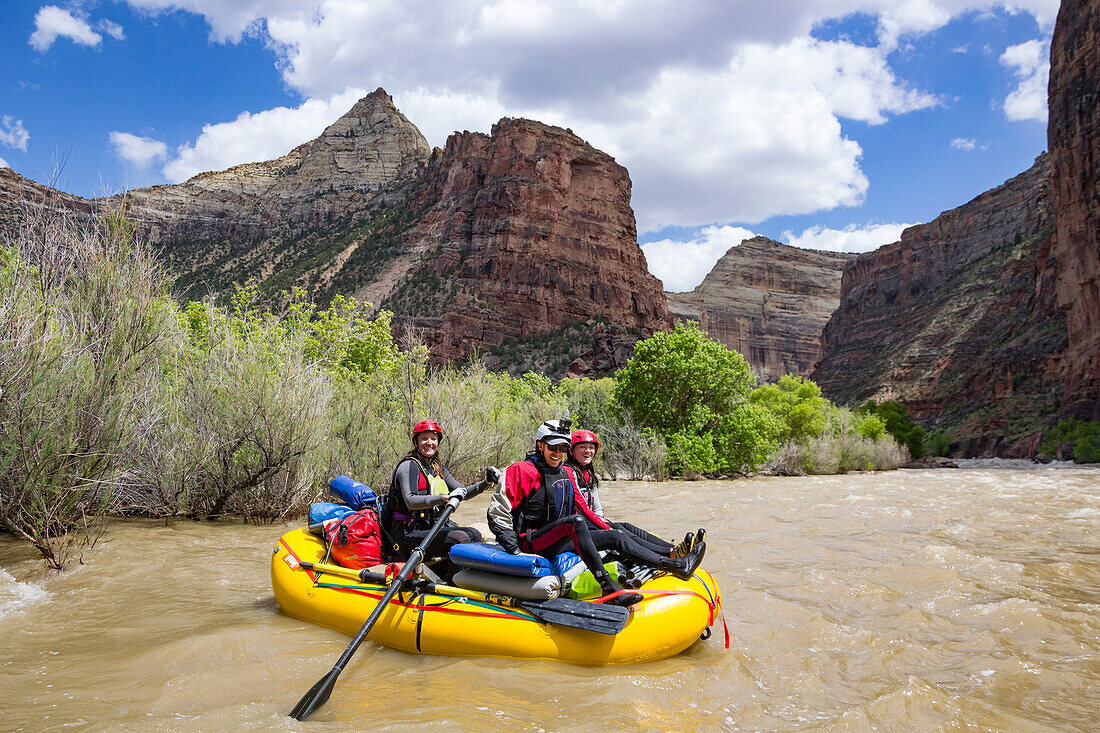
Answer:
x=244 y=423
x=83 y=319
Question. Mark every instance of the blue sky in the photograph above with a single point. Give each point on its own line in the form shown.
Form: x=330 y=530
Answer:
x=822 y=123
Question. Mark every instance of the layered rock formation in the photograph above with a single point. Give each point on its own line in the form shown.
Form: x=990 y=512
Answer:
x=526 y=230
x=769 y=302
x=1074 y=140
x=987 y=320
x=492 y=239
x=331 y=177
x=958 y=320
x=22 y=198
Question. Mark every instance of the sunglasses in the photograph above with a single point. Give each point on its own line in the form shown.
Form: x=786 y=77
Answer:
x=557 y=448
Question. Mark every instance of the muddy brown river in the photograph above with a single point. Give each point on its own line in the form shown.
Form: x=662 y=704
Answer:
x=909 y=600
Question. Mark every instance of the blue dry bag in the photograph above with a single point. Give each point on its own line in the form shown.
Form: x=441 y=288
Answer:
x=322 y=511
x=354 y=494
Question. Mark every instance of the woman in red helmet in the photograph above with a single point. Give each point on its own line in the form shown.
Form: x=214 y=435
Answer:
x=583 y=446
x=420 y=487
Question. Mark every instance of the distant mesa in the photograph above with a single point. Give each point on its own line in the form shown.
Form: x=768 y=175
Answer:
x=768 y=301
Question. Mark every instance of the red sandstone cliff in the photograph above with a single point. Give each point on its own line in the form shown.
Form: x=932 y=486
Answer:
x=767 y=301
x=1074 y=140
x=987 y=320
x=527 y=229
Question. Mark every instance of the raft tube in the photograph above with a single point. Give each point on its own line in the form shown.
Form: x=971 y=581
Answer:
x=672 y=616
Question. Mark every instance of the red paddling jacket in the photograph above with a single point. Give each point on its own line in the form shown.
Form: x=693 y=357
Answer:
x=525 y=503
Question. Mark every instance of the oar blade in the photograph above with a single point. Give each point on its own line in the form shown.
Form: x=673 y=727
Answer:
x=598 y=617
x=316 y=697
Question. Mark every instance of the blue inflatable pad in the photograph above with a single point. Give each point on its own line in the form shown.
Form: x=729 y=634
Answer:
x=493 y=557
x=354 y=494
x=323 y=511
x=566 y=561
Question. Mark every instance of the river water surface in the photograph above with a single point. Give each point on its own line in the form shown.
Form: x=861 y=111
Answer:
x=908 y=600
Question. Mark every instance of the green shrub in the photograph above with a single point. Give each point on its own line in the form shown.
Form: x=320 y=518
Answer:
x=694 y=392
x=83 y=315
x=895 y=415
x=937 y=443
x=849 y=442
x=797 y=404
x=1083 y=437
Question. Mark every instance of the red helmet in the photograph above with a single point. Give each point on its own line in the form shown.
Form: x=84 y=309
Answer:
x=425 y=426
x=583 y=436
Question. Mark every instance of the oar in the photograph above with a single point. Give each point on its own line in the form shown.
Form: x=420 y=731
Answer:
x=318 y=694
x=598 y=617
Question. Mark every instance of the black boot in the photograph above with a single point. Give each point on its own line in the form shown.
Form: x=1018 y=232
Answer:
x=609 y=586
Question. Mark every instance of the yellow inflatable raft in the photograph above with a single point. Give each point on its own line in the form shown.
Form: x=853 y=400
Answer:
x=673 y=615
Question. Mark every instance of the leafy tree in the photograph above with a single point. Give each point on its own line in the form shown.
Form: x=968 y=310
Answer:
x=937 y=443
x=693 y=391
x=797 y=405
x=871 y=427
x=591 y=402
x=896 y=417
x=1084 y=437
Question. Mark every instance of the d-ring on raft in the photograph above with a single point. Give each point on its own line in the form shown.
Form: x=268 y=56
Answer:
x=672 y=616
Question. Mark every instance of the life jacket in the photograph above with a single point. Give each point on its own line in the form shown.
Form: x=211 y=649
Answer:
x=541 y=507
x=397 y=517
x=586 y=480
x=355 y=540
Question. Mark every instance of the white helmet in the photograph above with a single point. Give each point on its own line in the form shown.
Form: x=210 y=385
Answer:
x=554 y=432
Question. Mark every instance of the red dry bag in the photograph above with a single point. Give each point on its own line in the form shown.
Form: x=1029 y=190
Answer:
x=355 y=540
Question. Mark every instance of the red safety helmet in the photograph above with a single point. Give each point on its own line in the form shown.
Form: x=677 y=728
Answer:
x=583 y=436
x=425 y=426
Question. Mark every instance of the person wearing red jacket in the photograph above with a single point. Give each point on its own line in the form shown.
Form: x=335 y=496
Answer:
x=539 y=509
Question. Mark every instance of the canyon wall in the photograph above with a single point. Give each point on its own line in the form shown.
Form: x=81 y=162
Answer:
x=958 y=320
x=1073 y=136
x=526 y=232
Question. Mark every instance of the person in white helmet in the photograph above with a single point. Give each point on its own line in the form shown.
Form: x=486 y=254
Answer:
x=539 y=509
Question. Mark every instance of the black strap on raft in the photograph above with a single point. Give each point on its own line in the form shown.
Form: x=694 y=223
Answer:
x=704 y=636
x=419 y=619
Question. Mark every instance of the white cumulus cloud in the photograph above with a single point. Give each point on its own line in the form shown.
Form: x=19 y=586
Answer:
x=852 y=238
x=258 y=136
x=4 y=163
x=52 y=22
x=968 y=144
x=1030 y=63
x=722 y=112
x=141 y=151
x=681 y=265
x=13 y=134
